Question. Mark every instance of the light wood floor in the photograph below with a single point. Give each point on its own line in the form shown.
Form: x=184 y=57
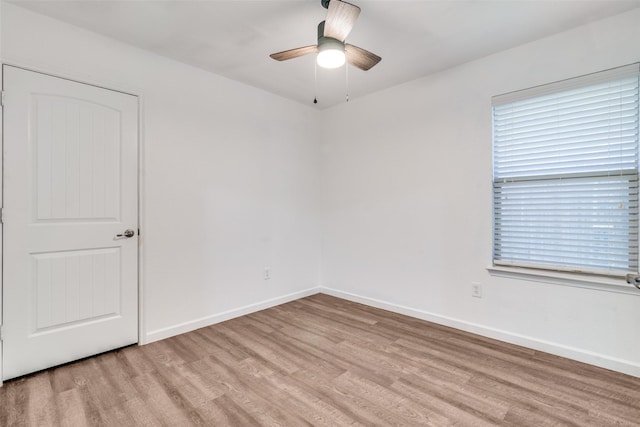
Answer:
x=323 y=361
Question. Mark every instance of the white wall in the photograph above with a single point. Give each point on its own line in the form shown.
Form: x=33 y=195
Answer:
x=232 y=184
x=407 y=203
x=231 y=176
x=1 y=202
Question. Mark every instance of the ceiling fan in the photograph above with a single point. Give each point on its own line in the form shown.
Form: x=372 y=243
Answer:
x=331 y=48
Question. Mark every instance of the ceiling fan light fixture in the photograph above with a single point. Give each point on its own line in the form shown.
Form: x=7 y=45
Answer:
x=330 y=53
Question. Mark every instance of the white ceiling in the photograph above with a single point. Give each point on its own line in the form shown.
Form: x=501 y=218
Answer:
x=414 y=38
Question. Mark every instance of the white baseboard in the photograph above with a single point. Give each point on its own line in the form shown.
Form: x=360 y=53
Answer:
x=192 y=325
x=581 y=355
x=603 y=361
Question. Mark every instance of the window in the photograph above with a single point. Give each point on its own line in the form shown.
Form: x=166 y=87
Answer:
x=565 y=175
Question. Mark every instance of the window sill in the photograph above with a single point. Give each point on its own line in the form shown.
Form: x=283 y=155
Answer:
x=599 y=283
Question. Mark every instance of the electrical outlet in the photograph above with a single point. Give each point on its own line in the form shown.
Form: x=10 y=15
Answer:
x=476 y=290
x=267 y=273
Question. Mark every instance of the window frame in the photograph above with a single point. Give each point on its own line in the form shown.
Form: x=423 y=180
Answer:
x=557 y=274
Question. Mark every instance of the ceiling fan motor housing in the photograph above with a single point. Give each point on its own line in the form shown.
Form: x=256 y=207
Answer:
x=331 y=51
x=325 y=3
x=328 y=42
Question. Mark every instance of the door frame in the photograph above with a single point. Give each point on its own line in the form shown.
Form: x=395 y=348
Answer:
x=117 y=87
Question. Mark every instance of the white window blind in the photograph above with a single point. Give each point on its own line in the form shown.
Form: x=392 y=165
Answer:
x=565 y=175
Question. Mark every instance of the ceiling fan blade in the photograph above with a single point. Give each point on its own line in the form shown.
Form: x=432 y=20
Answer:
x=340 y=19
x=360 y=58
x=294 y=53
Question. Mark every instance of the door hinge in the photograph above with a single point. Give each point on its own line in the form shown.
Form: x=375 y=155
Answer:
x=1 y=332
x=2 y=98
x=1 y=215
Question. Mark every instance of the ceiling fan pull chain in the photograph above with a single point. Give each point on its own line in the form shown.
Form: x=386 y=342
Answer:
x=346 y=73
x=315 y=82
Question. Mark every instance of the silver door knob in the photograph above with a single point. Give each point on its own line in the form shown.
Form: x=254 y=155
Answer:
x=127 y=233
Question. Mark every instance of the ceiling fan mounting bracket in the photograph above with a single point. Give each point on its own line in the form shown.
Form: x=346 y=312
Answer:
x=325 y=3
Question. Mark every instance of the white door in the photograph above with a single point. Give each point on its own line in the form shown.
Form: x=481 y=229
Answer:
x=70 y=284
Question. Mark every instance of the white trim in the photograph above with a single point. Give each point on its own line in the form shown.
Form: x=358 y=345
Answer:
x=69 y=74
x=625 y=366
x=202 y=322
x=141 y=223
x=1 y=225
x=598 y=283
x=597 y=77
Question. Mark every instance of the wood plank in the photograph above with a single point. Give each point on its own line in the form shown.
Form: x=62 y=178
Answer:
x=323 y=361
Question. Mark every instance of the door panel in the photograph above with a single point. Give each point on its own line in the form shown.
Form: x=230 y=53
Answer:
x=59 y=298
x=61 y=160
x=70 y=175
